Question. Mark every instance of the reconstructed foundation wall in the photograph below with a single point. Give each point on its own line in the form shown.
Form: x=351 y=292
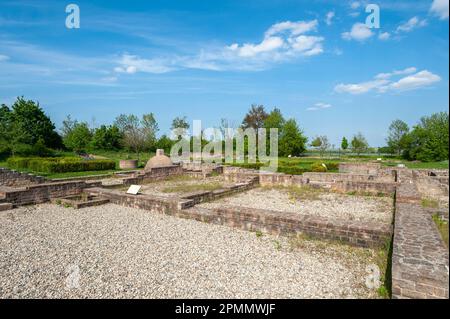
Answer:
x=41 y=193
x=420 y=258
x=359 y=168
x=356 y=233
x=155 y=174
x=342 y=182
x=13 y=178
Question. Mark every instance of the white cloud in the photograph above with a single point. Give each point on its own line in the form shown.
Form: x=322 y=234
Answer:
x=319 y=106
x=384 y=36
x=4 y=57
x=440 y=8
x=411 y=24
x=359 y=32
x=355 y=5
x=281 y=42
x=131 y=64
x=420 y=79
x=396 y=72
x=329 y=18
x=383 y=82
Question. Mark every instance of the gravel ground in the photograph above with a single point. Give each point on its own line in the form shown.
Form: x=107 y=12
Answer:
x=331 y=205
x=156 y=188
x=47 y=251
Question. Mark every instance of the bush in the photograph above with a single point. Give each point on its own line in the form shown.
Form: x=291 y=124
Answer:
x=59 y=165
x=292 y=170
x=318 y=167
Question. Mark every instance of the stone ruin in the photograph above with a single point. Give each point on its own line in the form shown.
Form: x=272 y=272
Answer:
x=419 y=256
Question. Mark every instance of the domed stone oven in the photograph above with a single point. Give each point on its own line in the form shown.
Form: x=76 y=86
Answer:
x=159 y=160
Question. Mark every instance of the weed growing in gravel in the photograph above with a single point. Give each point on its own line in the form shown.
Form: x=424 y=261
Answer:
x=430 y=203
x=277 y=245
x=259 y=233
x=442 y=226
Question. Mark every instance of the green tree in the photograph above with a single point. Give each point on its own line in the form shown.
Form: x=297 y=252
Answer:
x=321 y=144
x=106 y=138
x=292 y=141
x=164 y=143
x=359 y=144
x=429 y=139
x=180 y=126
x=344 y=144
x=397 y=137
x=30 y=123
x=274 y=120
x=78 y=138
x=138 y=134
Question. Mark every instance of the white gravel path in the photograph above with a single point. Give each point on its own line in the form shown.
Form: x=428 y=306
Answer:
x=330 y=205
x=130 y=253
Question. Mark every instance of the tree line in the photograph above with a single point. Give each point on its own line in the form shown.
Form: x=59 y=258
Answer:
x=26 y=130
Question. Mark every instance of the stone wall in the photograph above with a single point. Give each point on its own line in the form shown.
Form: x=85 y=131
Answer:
x=420 y=258
x=359 y=168
x=282 y=223
x=13 y=178
x=153 y=174
x=40 y=193
x=373 y=188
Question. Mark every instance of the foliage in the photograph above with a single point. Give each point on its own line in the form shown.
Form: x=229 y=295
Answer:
x=429 y=139
x=164 y=143
x=359 y=144
x=321 y=144
x=255 y=117
x=344 y=143
x=59 y=165
x=106 y=138
x=78 y=137
x=319 y=167
x=397 y=138
x=138 y=134
x=24 y=125
x=292 y=141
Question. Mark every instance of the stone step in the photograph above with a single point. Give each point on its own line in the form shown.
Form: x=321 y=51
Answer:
x=5 y=206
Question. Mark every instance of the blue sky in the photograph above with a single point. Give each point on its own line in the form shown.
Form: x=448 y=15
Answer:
x=315 y=60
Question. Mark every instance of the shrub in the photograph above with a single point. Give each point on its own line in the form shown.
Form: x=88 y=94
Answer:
x=59 y=165
x=319 y=167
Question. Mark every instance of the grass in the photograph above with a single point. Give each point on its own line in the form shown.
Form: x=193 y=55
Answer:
x=429 y=203
x=192 y=188
x=442 y=226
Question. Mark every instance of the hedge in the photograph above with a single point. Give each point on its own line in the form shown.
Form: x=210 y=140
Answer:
x=59 y=165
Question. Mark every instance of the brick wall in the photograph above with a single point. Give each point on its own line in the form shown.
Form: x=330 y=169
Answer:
x=283 y=223
x=374 y=188
x=359 y=168
x=14 y=178
x=41 y=193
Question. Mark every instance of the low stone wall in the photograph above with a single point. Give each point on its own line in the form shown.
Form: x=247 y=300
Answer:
x=41 y=193
x=155 y=174
x=359 y=168
x=337 y=177
x=13 y=178
x=420 y=258
x=373 y=188
x=205 y=196
x=155 y=204
x=282 y=223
